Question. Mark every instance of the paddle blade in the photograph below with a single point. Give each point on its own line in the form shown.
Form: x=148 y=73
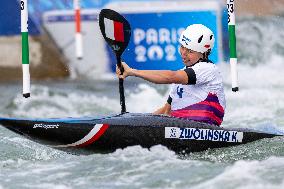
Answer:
x=115 y=30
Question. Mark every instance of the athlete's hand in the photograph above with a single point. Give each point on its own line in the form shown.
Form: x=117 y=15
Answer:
x=127 y=71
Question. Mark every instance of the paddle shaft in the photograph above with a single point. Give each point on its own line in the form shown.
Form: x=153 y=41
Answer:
x=121 y=87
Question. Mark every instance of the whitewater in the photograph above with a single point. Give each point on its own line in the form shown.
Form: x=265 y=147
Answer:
x=259 y=104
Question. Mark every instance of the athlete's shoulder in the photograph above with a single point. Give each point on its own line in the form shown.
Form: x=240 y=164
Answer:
x=204 y=66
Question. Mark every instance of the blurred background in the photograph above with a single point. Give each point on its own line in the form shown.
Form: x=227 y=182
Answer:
x=153 y=45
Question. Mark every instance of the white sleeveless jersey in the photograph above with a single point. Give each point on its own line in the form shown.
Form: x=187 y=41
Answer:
x=206 y=79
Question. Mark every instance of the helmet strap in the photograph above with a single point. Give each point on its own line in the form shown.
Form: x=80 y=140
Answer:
x=206 y=54
x=205 y=57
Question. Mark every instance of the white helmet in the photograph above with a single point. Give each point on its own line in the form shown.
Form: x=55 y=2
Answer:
x=197 y=37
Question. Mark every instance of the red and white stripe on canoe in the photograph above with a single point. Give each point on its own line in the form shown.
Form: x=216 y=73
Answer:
x=114 y=30
x=92 y=136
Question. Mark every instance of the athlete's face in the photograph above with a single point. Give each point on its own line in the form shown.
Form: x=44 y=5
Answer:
x=189 y=57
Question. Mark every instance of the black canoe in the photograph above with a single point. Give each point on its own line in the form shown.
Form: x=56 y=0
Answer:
x=106 y=134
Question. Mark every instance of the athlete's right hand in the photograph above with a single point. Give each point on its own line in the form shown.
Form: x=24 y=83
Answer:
x=127 y=71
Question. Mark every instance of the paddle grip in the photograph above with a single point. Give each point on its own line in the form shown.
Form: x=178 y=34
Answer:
x=118 y=59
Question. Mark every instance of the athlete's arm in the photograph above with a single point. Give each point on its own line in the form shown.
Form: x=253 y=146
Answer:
x=155 y=76
x=166 y=110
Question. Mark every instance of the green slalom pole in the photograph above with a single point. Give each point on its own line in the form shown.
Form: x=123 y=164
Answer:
x=232 y=44
x=25 y=48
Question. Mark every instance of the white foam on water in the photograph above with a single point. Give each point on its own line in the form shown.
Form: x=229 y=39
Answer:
x=13 y=163
x=262 y=76
x=48 y=186
x=260 y=98
x=46 y=103
x=40 y=174
x=145 y=100
x=132 y=166
x=249 y=174
x=158 y=151
x=20 y=149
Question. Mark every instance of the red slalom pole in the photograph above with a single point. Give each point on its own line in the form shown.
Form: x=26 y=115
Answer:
x=78 y=34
